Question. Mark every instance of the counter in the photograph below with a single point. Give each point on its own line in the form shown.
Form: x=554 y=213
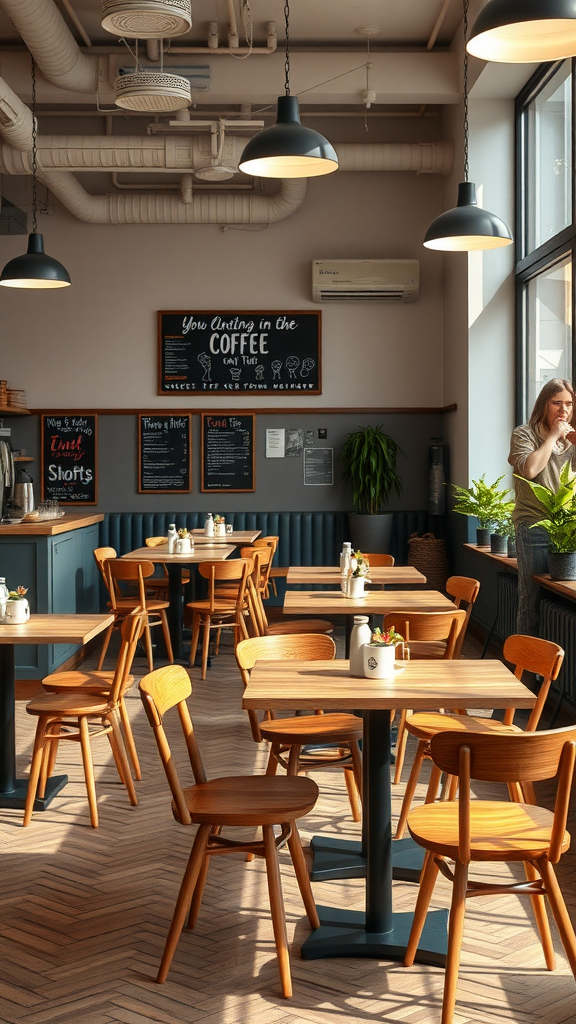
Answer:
x=50 y=527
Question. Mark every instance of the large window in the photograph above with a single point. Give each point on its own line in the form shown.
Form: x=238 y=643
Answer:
x=545 y=231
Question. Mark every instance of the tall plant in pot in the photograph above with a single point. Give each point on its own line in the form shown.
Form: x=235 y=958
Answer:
x=483 y=502
x=368 y=458
x=560 y=523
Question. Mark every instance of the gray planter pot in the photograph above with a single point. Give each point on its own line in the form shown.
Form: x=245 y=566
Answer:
x=370 y=533
x=511 y=547
x=498 y=544
x=562 y=565
x=482 y=537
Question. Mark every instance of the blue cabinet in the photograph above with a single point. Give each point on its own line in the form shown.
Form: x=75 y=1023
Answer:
x=61 y=576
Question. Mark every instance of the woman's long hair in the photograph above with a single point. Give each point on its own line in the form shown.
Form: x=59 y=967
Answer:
x=538 y=418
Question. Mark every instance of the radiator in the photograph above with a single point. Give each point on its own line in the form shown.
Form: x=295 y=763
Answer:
x=558 y=623
x=506 y=604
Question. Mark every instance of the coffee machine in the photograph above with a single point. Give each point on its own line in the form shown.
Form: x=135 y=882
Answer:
x=23 y=493
x=7 y=478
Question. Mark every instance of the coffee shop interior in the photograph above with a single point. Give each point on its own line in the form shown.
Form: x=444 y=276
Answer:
x=233 y=235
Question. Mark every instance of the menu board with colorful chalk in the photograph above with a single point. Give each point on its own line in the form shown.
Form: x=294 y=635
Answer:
x=261 y=353
x=164 y=454
x=69 y=459
x=228 y=457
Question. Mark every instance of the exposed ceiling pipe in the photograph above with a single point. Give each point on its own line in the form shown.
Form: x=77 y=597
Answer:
x=76 y=22
x=15 y=118
x=52 y=44
x=233 y=40
x=438 y=25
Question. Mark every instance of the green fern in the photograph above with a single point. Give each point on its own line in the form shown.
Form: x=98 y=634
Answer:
x=560 y=506
x=369 y=463
x=484 y=501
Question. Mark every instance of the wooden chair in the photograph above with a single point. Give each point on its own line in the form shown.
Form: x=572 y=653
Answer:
x=270 y=541
x=527 y=654
x=379 y=560
x=248 y=801
x=285 y=626
x=78 y=682
x=426 y=629
x=335 y=737
x=158 y=585
x=485 y=831
x=121 y=571
x=81 y=718
x=218 y=611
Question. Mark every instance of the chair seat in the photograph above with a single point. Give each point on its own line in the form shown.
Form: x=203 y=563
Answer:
x=288 y=626
x=523 y=829
x=87 y=682
x=303 y=729
x=220 y=607
x=426 y=724
x=251 y=800
x=67 y=704
x=128 y=604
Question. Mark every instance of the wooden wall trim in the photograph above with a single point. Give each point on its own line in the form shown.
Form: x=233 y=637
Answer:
x=267 y=411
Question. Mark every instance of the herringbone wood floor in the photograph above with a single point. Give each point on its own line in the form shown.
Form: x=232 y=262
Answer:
x=85 y=912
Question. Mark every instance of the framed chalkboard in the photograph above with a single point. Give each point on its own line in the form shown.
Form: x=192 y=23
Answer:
x=228 y=456
x=164 y=454
x=70 y=459
x=261 y=353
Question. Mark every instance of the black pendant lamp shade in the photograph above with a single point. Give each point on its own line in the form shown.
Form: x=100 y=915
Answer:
x=288 y=149
x=467 y=227
x=518 y=31
x=35 y=269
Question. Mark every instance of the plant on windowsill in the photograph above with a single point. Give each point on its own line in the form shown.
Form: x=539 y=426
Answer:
x=559 y=523
x=499 y=535
x=484 y=502
x=508 y=531
x=368 y=458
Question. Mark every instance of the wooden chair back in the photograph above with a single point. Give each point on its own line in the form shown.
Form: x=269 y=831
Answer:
x=120 y=570
x=264 y=563
x=133 y=626
x=463 y=590
x=235 y=571
x=379 y=560
x=267 y=542
x=101 y=556
x=162 y=690
x=543 y=658
x=304 y=646
x=509 y=757
x=429 y=626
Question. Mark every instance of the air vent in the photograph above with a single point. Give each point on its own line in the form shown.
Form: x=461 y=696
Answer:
x=152 y=91
x=147 y=19
x=365 y=280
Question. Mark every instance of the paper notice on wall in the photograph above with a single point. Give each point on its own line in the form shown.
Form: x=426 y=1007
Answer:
x=294 y=443
x=275 y=443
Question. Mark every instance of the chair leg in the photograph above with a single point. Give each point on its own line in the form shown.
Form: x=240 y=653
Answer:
x=455 y=930
x=542 y=923
x=205 y=646
x=294 y=759
x=107 y=638
x=88 y=769
x=433 y=783
x=427 y=883
x=195 y=636
x=400 y=747
x=410 y=789
x=184 y=898
x=277 y=909
x=166 y=635
x=353 y=795
x=148 y=642
x=120 y=757
x=357 y=764
x=199 y=887
x=129 y=739
x=302 y=876
x=561 y=916
x=53 y=753
x=36 y=765
x=272 y=766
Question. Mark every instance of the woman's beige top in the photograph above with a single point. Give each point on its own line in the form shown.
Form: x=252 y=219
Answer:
x=524 y=441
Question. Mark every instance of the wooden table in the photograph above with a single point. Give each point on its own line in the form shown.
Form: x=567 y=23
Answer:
x=379 y=574
x=320 y=603
x=174 y=565
x=378 y=932
x=237 y=537
x=40 y=629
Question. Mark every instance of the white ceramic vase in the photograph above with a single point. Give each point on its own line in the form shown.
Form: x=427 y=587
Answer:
x=353 y=586
x=17 y=611
x=379 y=661
x=219 y=529
x=183 y=546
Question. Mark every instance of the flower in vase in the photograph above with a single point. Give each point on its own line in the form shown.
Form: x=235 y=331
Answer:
x=388 y=638
x=359 y=564
x=18 y=594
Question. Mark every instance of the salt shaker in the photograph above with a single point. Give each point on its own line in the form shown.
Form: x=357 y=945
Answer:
x=345 y=557
x=4 y=595
x=209 y=525
x=361 y=634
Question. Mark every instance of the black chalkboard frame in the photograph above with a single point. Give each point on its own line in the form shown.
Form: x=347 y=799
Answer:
x=296 y=382
x=69 y=418
x=172 y=490
x=206 y=486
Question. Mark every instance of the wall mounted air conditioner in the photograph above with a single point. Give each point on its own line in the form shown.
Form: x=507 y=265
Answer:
x=365 y=280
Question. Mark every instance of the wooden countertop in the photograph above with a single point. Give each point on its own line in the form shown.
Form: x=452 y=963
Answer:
x=50 y=527
x=502 y=560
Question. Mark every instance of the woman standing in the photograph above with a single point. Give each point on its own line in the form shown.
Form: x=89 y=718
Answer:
x=538 y=451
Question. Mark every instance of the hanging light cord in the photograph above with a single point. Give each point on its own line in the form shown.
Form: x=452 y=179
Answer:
x=466 y=125
x=287 y=49
x=34 y=142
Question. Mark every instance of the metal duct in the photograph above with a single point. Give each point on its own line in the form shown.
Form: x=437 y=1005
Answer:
x=49 y=39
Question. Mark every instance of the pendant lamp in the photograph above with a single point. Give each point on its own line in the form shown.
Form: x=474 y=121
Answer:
x=518 y=31
x=288 y=149
x=35 y=269
x=467 y=228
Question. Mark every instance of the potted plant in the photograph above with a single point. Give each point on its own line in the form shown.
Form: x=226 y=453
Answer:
x=559 y=523
x=368 y=458
x=356 y=576
x=17 y=608
x=499 y=537
x=380 y=653
x=508 y=531
x=482 y=501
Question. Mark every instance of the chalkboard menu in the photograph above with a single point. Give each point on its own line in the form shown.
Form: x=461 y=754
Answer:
x=69 y=459
x=164 y=454
x=228 y=452
x=265 y=353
